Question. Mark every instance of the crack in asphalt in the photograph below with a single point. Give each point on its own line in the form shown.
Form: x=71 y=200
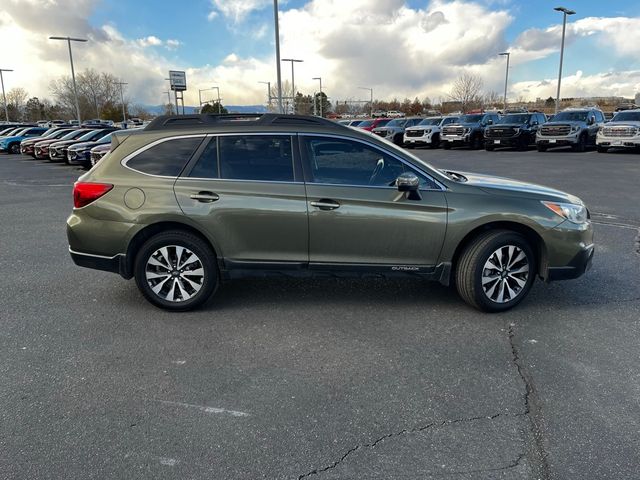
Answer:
x=405 y=431
x=532 y=411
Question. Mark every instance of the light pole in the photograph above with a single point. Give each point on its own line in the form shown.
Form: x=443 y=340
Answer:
x=371 y=101
x=168 y=92
x=124 y=115
x=320 y=80
x=4 y=98
x=169 y=96
x=73 y=73
x=277 y=32
x=268 y=84
x=293 y=81
x=506 y=78
x=565 y=12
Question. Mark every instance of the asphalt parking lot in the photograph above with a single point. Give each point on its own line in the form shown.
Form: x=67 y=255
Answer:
x=327 y=379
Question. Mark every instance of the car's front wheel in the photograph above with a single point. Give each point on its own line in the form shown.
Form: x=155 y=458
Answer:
x=176 y=270
x=14 y=148
x=496 y=271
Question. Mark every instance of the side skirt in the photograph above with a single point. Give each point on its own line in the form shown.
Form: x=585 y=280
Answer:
x=233 y=269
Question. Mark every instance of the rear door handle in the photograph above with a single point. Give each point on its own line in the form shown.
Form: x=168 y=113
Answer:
x=325 y=204
x=205 y=197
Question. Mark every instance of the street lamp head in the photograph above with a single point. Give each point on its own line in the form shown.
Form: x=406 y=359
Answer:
x=291 y=60
x=316 y=78
x=505 y=53
x=5 y=70
x=69 y=38
x=564 y=10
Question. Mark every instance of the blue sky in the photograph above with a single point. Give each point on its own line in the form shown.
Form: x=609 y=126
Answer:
x=398 y=47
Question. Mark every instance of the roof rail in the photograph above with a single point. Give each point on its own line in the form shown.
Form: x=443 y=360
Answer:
x=171 y=122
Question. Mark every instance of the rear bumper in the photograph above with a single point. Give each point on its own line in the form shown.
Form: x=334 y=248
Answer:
x=575 y=268
x=115 y=264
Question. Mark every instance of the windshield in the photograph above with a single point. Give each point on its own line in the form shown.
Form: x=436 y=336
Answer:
x=571 y=117
x=90 y=136
x=73 y=135
x=398 y=122
x=19 y=131
x=514 y=118
x=382 y=123
x=355 y=123
x=366 y=123
x=470 y=118
x=626 y=117
x=431 y=121
x=61 y=133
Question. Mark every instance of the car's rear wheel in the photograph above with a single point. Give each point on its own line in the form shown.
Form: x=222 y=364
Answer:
x=496 y=271
x=176 y=270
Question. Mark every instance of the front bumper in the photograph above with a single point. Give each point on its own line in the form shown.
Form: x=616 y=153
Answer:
x=557 y=141
x=77 y=158
x=577 y=267
x=456 y=140
x=424 y=140
x=503 y=141
x=618 y=142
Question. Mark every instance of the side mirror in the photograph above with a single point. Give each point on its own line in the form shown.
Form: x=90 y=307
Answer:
x=410 y=183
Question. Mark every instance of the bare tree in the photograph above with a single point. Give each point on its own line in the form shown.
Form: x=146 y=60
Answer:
x=96 y=92
x=493 y=99
x=466 y=90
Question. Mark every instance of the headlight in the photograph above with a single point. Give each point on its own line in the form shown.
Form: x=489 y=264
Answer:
x=467 y=130
x=575 y=128
x=569 y=211
x=428 y=130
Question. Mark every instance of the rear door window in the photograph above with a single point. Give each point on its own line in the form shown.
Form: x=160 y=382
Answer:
x=167 y=158
x=256 y=157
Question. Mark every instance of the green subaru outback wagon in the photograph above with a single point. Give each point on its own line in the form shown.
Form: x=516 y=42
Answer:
x=192 y=200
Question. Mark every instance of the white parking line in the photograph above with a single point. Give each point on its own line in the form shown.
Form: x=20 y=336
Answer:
x=206 y=409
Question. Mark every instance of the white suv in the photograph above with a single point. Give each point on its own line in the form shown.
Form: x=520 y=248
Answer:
x=623 y=131
x=427 y=132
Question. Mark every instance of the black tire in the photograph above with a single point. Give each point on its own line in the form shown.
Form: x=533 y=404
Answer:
x=435 y=141
x=581 y=145
x=523 y=144
x=446 y=145
x=470 y=268
x=14 y=148
x=398 y=140
x=476 y=142
x=409 y=147
x=541 y=148
x=489 y=148
x=206 y=257
x=602 y=149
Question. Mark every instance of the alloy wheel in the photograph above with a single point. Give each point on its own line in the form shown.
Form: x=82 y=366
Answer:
x=505 y=274
x=174 y=273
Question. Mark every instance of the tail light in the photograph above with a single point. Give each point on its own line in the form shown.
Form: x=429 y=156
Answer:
x=86 y=192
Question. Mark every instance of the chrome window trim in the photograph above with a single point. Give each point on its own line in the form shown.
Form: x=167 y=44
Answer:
x=133 y=154
x=391 y=154
x=210 y=179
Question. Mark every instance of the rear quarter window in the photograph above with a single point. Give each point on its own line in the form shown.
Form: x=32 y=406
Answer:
x=167 y=158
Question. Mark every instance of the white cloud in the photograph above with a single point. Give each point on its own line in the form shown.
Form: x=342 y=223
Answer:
x=236 y=10
x=150 y=41
x=397 y=50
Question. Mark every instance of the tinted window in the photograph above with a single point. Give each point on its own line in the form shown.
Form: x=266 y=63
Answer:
x=167 y=158
x=599 y=116
x=258 y=157
x=449 y=120
x=346 y=162
x=207 y=166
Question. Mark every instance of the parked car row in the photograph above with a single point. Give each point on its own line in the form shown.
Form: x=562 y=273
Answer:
x=68 y=144
x=577 y=128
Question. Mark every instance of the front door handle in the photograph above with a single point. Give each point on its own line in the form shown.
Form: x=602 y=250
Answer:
x=205 y=197
x=325 y=204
